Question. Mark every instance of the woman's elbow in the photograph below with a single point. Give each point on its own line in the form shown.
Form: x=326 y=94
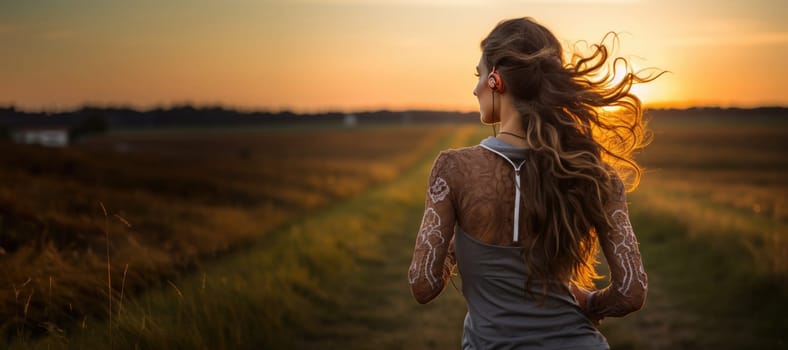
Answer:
x=422 y=299
x=634 y=301
x=625 y=302
x=422 y=294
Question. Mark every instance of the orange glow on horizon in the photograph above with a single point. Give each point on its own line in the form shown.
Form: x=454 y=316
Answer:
x=355 y=55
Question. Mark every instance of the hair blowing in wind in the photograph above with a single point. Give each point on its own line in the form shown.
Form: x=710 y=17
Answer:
x=582 y=125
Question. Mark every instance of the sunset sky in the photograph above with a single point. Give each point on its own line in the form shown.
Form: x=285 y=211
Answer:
x=346 y=55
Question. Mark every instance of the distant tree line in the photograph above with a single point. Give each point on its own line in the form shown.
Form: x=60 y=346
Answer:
x=89 y=120
x=92 y=120
x=758 y=113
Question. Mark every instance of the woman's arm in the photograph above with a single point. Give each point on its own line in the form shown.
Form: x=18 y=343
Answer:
x=581 y=295
x=433 y=255
x=629 y=282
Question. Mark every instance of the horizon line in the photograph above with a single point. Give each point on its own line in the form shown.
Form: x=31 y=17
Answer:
x=247 y=110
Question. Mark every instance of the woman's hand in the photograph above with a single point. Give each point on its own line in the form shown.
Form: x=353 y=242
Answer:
x=583 y=297
x=450 y=264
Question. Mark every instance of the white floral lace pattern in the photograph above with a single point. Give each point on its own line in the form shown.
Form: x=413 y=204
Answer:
x=625 y=246
x=438 y=190
x=430 y=238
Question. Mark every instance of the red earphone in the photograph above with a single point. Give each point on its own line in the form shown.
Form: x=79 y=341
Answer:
x=495 y=82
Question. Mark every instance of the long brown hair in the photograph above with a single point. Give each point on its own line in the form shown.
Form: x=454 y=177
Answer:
x=581 y=124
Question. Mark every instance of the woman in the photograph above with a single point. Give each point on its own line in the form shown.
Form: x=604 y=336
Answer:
x=522 y=214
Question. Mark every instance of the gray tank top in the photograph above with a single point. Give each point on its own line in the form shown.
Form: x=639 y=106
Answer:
x=501 y=315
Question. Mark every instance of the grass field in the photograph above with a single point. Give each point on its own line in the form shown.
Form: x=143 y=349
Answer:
x=156 y=204
x=710 y=217
x=712 y=221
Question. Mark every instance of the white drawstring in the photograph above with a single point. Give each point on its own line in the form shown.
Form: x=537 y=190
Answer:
x=516 y=228
x=517 y=203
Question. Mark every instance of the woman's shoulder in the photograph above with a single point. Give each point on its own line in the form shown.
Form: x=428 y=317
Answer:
x=457 y=161
x=460 y=153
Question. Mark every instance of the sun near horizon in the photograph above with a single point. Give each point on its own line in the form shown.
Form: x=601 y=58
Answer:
x=352 y=55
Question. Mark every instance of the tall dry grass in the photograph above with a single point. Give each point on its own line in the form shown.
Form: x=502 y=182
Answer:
x=188 y=197
x=724 y=180
x=305 y=285
x=711 y=221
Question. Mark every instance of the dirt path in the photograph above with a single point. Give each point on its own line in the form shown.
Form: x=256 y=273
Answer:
x=378 y=311
x=336 y=279
x=697 y=299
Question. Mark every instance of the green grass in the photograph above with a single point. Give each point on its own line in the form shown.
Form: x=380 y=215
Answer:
x=703 y=293
x=711 y=220
x=336 y=278
x=188 y=196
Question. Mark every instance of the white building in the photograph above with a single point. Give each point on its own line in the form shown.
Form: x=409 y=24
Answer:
x=350 y=120
x=52 y=136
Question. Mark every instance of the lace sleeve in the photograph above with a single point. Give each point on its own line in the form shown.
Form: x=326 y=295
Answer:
x=433 y=258
x=629 y=282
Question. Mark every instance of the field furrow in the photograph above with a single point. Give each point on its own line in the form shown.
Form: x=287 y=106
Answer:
x=712 y=234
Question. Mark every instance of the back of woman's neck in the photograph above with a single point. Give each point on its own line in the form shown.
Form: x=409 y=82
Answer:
x=513 y=138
